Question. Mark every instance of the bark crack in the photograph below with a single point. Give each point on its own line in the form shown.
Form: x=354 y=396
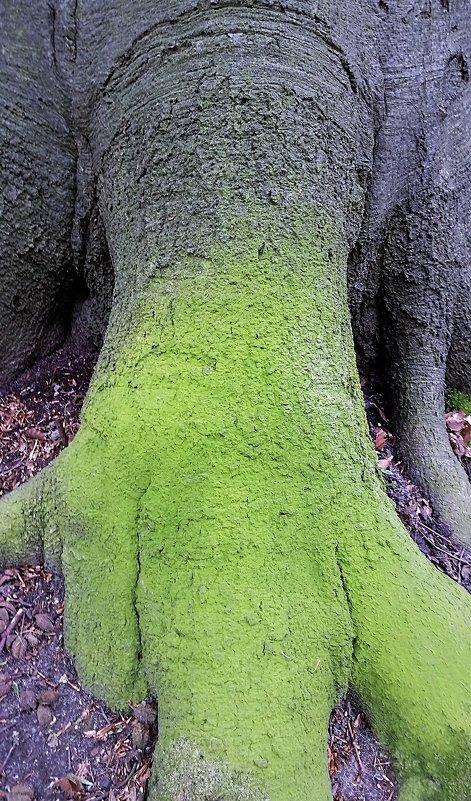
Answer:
x=344 y=584
x=137 y=538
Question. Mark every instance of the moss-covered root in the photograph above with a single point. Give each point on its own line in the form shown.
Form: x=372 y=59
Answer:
x=22 y=525
x=243 y=631
x=184 y=772
x=412 y=661
x=100 y=559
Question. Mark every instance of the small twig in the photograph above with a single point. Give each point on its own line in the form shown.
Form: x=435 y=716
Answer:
x=5 y=761
x=10 y=628
x=8 y=725
x=45 y=678
x=443 y=550
x=355 y=747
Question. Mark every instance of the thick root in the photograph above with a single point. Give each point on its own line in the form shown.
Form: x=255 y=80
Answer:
x=458 y=372
x=100 y=561
x=425 y=449
x=412 y=659
x=217 y=552
x=22 y=525
x=185 y=772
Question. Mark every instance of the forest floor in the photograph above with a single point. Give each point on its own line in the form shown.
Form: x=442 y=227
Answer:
x=56 y=741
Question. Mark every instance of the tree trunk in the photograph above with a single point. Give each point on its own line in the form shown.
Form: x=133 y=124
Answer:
x=225 y=541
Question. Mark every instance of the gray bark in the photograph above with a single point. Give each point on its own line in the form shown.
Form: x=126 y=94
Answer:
x=411 y=266
x=151 y=115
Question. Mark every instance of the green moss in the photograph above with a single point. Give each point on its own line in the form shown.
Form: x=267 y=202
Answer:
x=192 y=490
x=21 y=526
x=458 y=400
x=227 y=544
x=412 y=655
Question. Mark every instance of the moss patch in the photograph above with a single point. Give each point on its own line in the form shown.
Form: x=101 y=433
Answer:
x=457 y=400
x=227 y=545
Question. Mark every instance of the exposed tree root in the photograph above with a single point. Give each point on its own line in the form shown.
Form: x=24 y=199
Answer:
x=216 y=549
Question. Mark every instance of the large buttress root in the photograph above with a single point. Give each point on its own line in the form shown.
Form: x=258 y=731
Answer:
x=187 y=491
x=415 y=242
x=412 y=657
x=30 y=522
x=419 y=304
x=219 y=555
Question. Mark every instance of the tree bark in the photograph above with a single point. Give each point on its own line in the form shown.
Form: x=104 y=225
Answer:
x=219 y=521
x=410 y=268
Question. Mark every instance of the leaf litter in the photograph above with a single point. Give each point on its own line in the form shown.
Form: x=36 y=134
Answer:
x=56 y=741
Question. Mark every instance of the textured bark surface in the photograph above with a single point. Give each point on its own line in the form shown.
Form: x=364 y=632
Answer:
x=218 y=519
x=410 y=268
x=55 y=273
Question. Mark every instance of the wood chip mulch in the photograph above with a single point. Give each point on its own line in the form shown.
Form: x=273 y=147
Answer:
x=56 y=741
x=40 y=416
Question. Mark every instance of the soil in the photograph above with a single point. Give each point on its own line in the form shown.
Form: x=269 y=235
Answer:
x=56 y=741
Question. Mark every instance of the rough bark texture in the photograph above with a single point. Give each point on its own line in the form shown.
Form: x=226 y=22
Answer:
x=218 y=519
x=410 y=268
x=54 y=270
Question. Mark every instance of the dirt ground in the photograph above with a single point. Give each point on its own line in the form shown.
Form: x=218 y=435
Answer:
x=56 y=741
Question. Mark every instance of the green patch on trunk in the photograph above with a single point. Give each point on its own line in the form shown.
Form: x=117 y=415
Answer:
x=226 y=543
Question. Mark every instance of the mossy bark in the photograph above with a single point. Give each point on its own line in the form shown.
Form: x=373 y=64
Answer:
x=225 y=541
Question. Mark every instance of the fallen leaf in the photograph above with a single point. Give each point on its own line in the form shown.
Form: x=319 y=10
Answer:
x=28 y=700
x=44 y=622
x=18 y=648
x=53 y=740
x=21 y=792
x=145 y=713
x=34 y=433
x=385 y=463
x=70 y=786
x=140 y=735
x=48 y=697
x=380 y=439
x=44 y=716
x=5 y=683
x=455 y=420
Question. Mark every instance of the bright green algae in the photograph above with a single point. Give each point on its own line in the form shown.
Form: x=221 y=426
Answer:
x=225 y=530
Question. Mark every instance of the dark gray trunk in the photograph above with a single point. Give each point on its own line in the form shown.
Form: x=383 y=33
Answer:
x=410 y=269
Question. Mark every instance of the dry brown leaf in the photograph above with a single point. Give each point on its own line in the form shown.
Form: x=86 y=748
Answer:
x=380 y=439
x=140 y=734
x=44 y=622
x=18 y=648
x=35 y=433
x=455 y=421
x=44 y=716
x=145 y=713
x=28 y=700
x=70 y=786
x=5 y=683
x=21 y=792
x=48 y=697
